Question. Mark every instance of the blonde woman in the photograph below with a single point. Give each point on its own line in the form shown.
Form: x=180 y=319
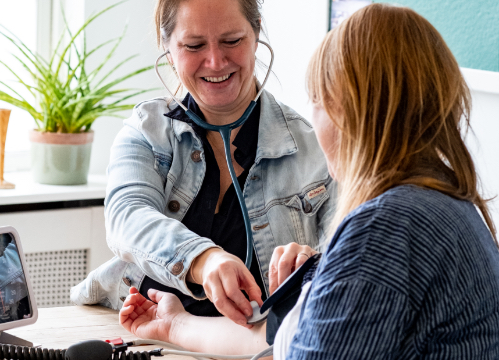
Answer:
x=412 y=270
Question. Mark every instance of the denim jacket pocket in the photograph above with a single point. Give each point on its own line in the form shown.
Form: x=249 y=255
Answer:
x=306 y=205
x=303 y=216
x=162 y=164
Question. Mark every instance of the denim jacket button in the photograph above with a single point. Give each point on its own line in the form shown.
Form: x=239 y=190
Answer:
x=174 y=206
x=196 y=156
x=127 y=281
x=266 y=274
x=177 y=268
x=308 y=207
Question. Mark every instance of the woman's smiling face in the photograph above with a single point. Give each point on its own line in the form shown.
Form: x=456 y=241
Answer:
x=213 y=49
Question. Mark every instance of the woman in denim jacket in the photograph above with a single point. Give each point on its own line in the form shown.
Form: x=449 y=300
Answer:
x=172 y=215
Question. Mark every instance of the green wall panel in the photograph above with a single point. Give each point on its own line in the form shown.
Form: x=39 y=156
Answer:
x=470 y=28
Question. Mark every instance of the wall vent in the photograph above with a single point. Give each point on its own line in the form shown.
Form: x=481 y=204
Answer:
x=53 y=273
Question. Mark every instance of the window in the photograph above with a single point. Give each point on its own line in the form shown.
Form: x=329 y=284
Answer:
x=20 y=18
x=30 y=21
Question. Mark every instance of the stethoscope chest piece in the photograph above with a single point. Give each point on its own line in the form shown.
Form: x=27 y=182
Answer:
x=257 y=317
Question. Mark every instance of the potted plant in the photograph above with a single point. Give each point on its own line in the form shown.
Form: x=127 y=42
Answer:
x=68 y=98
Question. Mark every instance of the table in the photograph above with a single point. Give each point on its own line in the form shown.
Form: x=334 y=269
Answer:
x=60 y=327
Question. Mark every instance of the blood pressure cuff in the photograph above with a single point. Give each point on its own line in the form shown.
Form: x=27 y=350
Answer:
x=285 y=297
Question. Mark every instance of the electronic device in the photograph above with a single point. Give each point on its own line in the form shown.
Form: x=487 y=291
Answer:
x=17 y=298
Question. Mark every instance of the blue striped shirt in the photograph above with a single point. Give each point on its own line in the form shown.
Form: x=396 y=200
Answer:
x=411 y=274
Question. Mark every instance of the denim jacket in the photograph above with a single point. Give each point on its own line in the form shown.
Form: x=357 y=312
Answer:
x=157 y=168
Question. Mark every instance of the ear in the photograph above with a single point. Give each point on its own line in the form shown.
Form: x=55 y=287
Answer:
x=164 y=42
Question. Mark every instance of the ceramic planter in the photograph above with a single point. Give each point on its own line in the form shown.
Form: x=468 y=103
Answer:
x=60 y=159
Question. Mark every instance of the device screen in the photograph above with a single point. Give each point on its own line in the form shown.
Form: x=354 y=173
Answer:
x=14 y=297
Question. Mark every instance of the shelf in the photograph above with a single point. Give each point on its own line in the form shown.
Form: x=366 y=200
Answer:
x=29 y=192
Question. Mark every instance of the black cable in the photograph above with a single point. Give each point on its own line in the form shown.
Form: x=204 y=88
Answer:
x=86 y=350
x=138 y=355
x=14 y=352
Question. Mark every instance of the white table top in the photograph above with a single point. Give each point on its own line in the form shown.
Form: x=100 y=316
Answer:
x=27 y=191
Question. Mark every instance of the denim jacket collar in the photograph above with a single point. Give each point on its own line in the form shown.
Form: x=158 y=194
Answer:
x=274 y=137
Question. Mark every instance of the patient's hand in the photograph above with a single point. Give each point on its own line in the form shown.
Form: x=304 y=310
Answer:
x=151 y=319
x=285 y=260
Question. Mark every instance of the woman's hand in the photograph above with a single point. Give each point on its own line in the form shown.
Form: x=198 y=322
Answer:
x=285 y=260
x=151 y=319
x=223 y=276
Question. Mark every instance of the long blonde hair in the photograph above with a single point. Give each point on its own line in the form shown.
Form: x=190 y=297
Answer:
x=395 y=92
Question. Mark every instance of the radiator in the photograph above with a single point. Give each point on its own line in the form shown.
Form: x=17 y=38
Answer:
x=53 y=273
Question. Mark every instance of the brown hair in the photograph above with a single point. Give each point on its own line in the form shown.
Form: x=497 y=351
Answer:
x=165 y=16
x=394 y=90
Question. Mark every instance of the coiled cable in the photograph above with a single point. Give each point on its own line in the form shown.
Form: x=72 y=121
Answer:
x=15 y=352
x=137 y=355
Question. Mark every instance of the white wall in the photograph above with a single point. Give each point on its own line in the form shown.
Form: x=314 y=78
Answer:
x=295 y=31
x=483 y=141
x=484 y=145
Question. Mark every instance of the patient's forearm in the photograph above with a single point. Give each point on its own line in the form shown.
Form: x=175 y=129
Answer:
x=217 y=335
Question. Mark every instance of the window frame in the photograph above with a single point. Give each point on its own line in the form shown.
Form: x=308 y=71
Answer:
x=20 y=160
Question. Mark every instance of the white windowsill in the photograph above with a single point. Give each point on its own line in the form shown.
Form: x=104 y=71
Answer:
x=27 y=191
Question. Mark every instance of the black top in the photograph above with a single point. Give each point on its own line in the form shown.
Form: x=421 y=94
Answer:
x=226 y=228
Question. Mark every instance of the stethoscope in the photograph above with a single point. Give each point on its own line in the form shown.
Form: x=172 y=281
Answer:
x=225 y=131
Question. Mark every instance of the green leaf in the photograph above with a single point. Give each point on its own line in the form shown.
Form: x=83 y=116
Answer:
x=116 y=68
x=123 y=78
x=34 y=59
x=94 y=73
x=73 y=38
x=22 y=104
x=15 y=92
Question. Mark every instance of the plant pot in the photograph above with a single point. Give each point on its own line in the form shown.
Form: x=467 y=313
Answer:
x=60 y=159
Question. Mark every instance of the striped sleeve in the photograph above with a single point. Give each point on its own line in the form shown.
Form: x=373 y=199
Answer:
x=410 y=274
x=350 y=320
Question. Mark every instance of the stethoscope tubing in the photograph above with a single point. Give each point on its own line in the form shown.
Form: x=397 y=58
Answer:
x=225 y=131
